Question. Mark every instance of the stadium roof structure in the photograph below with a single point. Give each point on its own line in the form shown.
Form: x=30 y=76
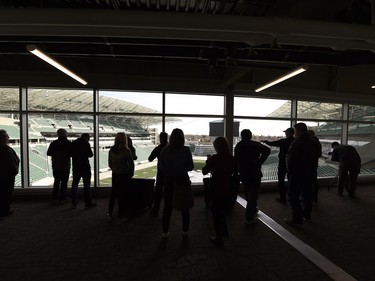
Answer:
x=194 y=46
x=310 y=110
x=81 y=101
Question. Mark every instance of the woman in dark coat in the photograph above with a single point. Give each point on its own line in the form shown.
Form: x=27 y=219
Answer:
x=175 y=162
x=221 y=166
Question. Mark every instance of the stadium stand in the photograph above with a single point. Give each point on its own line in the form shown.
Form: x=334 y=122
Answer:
x=12 y=130
x=43 y=126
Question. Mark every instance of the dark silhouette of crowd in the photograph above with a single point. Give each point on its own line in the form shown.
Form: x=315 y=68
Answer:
x=299 y=154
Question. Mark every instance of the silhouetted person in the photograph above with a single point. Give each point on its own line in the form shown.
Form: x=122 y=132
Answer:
x=284 y=145
x=175 y=162
x=9 y=165
x=250 y=155
x=349 y=167
x=315 y=184
x=121 y=162
x=300 y=160
x=59 y=150
x=160 y=176
x=221 y=166
x=81 y=152
x=132 y=148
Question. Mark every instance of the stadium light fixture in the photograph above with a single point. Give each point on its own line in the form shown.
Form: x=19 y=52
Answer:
x=35 y=51
x=284 y=77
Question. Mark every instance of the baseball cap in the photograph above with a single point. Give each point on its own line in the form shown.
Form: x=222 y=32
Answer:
x=289 y=130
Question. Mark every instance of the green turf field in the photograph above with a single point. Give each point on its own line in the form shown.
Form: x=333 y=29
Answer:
x=150 y=172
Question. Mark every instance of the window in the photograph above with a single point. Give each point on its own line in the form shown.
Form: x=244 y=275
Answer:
x=9 y=99
x=265 y=130
x=201 y=116
x=319 y=110
x=42 y=131
x=362 y=113
x=256 y=107
x=60 y=100
x=198 y=137
x=194 y=104
x=361 y=136
x=143 y=131
x=128 y=102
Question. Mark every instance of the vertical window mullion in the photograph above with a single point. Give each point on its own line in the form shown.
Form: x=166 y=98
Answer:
x=96 y=137
x=228 y=116
x=293 y=112
x=345 y=123
x=163 y=112
x=24 y=149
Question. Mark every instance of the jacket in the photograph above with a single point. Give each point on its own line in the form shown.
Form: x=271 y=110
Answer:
x=59 y=150
x=121 y=161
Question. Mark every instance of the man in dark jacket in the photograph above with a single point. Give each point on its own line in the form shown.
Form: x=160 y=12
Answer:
x=349 y=166
x=160 y=177
x=59 y=150
x=9 y=164
x=250 y=155
x=315 y=183
x=300 y=160
x=81 y=152
x=284 y=145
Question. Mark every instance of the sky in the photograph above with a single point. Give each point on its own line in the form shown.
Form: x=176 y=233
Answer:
x=210 y=105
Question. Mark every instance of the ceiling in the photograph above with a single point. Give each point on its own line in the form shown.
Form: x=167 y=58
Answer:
x=220 y=41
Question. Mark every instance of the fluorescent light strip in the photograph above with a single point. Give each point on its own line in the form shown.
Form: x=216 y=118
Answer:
x=35 y=51
x=373 y=87
x=286 y=76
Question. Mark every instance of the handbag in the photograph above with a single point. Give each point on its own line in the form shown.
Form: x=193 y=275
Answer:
x=183 y=198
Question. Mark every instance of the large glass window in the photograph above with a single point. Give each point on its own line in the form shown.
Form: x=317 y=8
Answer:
x=263 y=129
x=327 y=132
x=256 y=107
x=42 y=131
x=143 y=131
x=200 y=116
x=194 y=104
x=60 y=100
x=270 y=130
x=199 y=135
x=362 y=113
x=128 y=102
x=319 y=110
x=361 y=136
x=9 y=99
